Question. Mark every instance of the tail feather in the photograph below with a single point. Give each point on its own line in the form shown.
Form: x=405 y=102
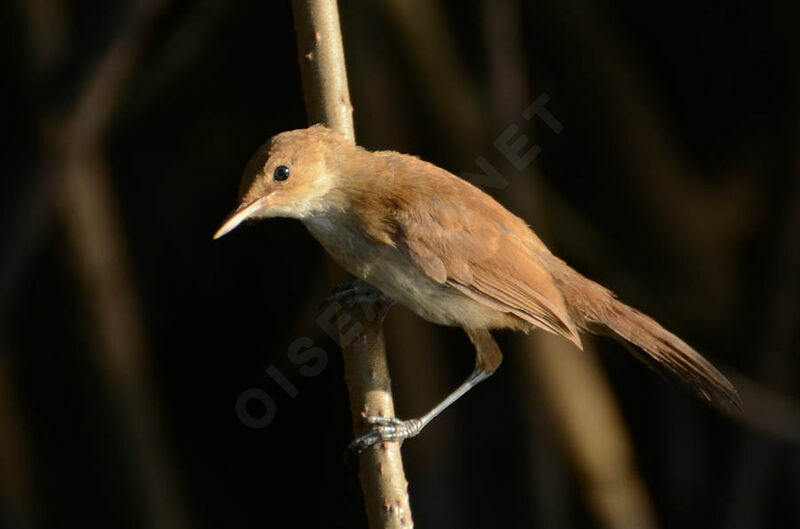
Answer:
x=596 y=306
x=673 y=354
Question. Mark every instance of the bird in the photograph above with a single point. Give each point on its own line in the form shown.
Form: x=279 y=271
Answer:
x=450 y=253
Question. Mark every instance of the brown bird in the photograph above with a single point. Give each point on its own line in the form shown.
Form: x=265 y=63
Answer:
x=447 y=251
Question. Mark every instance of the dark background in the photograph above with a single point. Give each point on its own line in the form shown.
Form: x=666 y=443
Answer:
x=127 y=335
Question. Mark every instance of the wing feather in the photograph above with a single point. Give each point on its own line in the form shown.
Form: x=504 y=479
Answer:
x=484 y=260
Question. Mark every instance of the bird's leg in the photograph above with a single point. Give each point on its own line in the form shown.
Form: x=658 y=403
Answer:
x=394 y=429
x=487 y=360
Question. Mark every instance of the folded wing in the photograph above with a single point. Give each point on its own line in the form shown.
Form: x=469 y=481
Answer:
x=479 y=248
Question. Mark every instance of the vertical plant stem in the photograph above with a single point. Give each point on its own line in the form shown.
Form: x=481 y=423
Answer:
x=324 y=76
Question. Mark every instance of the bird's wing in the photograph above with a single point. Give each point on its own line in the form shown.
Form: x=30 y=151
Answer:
x=473 y=244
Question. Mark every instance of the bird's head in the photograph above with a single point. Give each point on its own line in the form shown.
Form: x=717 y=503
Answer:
x=289 y=176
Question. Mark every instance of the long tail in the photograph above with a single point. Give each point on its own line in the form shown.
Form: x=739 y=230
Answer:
x=596 y=309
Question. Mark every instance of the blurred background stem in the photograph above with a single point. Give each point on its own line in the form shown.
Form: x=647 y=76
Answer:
x=89 y=210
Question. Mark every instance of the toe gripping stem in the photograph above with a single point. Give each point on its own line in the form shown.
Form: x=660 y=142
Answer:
x=385 y=429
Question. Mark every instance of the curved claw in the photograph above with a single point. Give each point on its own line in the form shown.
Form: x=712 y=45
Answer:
x=356 y=292
x=385 y=429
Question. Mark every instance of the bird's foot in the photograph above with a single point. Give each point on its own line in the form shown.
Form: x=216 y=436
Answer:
x=386 y=429
x=357 y=292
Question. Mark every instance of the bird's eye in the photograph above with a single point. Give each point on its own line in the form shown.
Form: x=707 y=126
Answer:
x=281 y=173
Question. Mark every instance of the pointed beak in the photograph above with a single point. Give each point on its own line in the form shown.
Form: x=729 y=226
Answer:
x=240 y=215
